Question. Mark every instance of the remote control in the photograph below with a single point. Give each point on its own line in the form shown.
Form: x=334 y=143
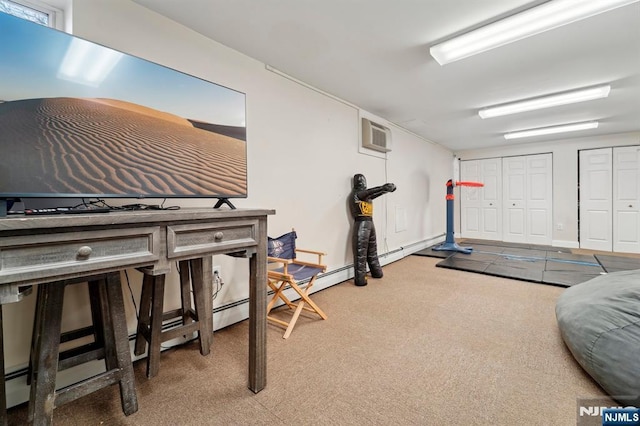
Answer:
x=66 y=210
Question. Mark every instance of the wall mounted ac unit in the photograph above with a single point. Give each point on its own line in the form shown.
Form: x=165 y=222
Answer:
x=375 y=136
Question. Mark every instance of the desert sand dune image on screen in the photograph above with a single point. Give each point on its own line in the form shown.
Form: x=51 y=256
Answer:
x=111 y=147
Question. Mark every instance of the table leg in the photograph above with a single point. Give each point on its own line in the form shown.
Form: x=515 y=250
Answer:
x=258 y=313
x=127 y=384
x=207 y=274
x=200 y=295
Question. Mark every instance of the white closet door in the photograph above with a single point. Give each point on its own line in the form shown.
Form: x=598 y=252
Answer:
x=528 y=200
x=491 y=198
x=515 y=204
x=539 y=199
x=626 y=199
x=481 y=207
x=595 y=199
x=470 y=201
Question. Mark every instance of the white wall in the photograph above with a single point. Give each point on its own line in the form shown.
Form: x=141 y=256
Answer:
x=302 y=154
x=565 y=174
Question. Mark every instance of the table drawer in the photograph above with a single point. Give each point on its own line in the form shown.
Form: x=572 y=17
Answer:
x=195 y=239
x=28 y=258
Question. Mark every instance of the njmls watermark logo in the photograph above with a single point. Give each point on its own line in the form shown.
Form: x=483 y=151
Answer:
x=608 y=412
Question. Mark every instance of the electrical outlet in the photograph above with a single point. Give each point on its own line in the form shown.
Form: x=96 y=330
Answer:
x=217 y=276
x=560 y=227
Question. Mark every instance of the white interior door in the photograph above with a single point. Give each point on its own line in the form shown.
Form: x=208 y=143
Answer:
x=514 y=190
x=528 y=199
x=481 y=207
x=539 y=226
x=492 y=198
x=626 y=199
x=470 y=201
x=596 y=199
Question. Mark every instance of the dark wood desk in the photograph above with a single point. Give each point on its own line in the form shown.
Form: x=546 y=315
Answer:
x=42 y=249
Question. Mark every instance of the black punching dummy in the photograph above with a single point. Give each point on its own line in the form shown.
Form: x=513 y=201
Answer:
x=365 y=249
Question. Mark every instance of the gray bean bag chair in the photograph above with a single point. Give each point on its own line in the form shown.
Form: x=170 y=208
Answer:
x=599 y=321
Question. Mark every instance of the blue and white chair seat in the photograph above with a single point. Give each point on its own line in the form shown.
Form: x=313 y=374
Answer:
x=292 y=273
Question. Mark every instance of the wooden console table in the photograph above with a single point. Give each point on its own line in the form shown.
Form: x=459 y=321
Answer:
x=42 y=249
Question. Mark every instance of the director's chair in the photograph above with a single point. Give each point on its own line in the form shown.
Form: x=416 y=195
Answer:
x=292 y=273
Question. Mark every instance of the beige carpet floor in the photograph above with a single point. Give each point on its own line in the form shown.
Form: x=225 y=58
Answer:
x=421 y=346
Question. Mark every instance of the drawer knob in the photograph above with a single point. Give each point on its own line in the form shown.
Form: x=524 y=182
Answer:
x=84 y=252
x=218 y=236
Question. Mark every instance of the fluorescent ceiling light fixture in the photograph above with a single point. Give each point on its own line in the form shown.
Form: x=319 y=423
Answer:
x=557 y=99
x=551 y=130
x=536 y=20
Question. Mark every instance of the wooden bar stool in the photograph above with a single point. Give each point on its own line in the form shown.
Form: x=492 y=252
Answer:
x=3 y=400
x=109 y=317
x=23 y=291
x=152 y=315
x=80 y=354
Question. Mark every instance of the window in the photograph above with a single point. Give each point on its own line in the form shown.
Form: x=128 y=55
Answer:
x=33 y=10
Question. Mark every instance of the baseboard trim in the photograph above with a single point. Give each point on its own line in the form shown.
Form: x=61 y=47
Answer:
x=566 y=244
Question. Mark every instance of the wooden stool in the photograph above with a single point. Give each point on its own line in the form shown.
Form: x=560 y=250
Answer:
x=152 y=313
x=3 y=398
x=80 y=354
x=112 y=345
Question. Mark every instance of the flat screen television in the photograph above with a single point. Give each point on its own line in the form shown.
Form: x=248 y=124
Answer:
x=80 y=120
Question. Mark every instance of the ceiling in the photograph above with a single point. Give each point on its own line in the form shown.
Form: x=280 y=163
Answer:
x=375 y=54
